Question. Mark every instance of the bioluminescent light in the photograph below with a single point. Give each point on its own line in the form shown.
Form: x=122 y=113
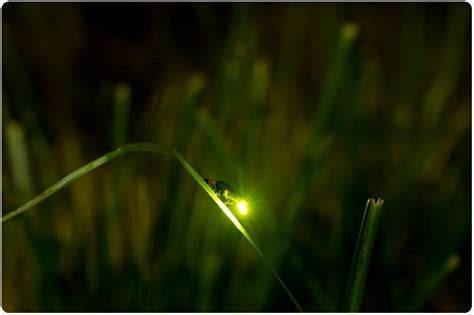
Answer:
x=242 y=205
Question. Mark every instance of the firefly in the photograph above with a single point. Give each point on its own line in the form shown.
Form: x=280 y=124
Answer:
x=227 y=194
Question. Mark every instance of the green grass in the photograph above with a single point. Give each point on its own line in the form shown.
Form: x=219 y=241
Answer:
x=155 y=148
x=364 y=244
x=306 y=109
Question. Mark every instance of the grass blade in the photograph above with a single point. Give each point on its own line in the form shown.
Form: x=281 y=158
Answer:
x=135 y=147
x=361 y=259
x=151 y=147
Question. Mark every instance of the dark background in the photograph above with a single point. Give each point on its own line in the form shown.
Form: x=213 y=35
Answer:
x=307 y=109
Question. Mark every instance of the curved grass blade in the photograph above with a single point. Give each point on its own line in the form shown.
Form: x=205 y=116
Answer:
x=135 y=147
x=151 y=147
x=361 y=259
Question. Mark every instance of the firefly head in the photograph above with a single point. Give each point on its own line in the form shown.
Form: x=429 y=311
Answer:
x=211 y=182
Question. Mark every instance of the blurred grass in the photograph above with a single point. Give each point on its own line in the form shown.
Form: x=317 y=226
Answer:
x=155 y=148
x=306 y=109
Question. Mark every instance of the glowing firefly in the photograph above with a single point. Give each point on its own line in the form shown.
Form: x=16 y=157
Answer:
x=227 y=194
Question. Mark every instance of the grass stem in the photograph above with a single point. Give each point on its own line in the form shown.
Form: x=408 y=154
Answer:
x=361 y=259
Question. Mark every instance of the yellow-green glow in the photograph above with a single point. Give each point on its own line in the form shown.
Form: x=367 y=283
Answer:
x=242 y=205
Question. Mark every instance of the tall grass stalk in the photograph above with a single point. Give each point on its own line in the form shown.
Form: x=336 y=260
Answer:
x=361 y=259
x=151 y=147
